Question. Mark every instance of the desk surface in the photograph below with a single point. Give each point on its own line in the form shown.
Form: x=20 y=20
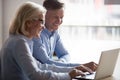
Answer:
x=109 y=78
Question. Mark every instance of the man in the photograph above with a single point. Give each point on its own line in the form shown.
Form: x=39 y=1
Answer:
x=49 y=41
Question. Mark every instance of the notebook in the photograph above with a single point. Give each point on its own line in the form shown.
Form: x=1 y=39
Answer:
x=106 y=66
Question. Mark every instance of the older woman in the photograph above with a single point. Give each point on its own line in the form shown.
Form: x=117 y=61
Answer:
x=17 y=62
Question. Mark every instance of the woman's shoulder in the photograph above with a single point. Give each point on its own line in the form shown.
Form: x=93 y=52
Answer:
x=18 y=38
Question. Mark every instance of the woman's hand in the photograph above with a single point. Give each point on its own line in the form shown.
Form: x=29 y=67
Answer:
x=76 y=72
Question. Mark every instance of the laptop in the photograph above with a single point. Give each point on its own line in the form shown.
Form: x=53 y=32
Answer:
x=106 y=66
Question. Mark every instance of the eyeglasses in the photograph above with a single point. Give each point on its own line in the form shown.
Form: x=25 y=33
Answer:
x=39 y=20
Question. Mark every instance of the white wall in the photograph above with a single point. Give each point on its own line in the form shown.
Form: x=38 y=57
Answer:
x=9 y=9
x=0 y=22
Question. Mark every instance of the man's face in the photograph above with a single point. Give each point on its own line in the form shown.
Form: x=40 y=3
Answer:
x=53 y=19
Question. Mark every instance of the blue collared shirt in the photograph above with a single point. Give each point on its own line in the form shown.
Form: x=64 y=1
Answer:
x=46 y=45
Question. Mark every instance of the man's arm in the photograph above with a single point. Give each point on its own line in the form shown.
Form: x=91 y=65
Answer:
x=60 y=50
x=40 y=53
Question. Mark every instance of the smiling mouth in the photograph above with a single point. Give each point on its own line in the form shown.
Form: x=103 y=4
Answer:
x=56 y=24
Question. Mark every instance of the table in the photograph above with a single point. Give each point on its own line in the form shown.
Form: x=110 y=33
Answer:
x=109 y=78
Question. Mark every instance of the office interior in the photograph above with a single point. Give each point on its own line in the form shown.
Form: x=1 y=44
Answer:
x=89 y=27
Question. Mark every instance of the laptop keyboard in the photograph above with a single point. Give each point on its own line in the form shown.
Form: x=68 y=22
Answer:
x=87 y=76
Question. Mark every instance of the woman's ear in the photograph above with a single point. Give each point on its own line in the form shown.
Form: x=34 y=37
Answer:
x=28 y=23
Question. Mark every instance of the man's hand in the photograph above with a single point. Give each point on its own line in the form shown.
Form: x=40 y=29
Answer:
x=92 y=65
x=87 y=67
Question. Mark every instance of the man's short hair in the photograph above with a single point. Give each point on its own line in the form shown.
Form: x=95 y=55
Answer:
x=53 y=4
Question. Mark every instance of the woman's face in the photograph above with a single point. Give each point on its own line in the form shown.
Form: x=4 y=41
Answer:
x=35 y=26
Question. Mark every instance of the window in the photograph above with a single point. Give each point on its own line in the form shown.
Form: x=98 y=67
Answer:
x=89 y=27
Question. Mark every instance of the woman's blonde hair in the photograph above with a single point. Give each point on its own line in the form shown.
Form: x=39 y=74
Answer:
x=26 y=12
